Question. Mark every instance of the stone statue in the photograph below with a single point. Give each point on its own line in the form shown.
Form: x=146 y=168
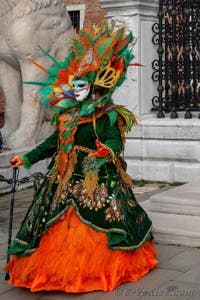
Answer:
x=25 y=24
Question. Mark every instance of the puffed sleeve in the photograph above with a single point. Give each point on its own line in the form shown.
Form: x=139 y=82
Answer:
x=109 y=134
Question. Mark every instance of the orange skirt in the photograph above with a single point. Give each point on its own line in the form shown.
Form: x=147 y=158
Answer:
x=73 y=257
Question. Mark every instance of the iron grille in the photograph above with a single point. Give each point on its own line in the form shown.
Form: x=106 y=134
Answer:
x=177 y=68
x=75 y=18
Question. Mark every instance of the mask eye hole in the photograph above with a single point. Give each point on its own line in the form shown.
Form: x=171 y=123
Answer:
x=81 y=85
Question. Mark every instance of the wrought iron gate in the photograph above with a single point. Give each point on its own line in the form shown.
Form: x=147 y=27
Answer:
x=177 y=68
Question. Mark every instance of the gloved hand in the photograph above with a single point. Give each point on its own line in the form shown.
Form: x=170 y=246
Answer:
x=16 y=161
x=102 y=151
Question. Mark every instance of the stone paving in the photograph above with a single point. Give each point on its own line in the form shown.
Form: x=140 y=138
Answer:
x=176 y=277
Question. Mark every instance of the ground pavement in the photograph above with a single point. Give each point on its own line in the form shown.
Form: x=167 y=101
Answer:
x=176 y=277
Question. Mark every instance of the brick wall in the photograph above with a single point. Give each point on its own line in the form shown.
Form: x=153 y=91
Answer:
x=93 y=13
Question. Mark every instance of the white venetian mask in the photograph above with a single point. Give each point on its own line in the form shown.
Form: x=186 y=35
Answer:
x=81 y=89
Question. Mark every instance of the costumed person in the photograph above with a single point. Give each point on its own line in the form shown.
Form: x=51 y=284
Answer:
x=84 y=230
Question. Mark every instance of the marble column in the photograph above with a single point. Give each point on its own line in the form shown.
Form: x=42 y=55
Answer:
x=139 y=17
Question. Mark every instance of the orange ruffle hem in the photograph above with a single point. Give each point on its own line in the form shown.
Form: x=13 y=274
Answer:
x=73 y=257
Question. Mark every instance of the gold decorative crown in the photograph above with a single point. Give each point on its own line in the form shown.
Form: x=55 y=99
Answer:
x=107 y=77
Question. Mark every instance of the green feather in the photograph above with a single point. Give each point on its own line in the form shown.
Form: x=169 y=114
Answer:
x=54 y=119
x=50 y=56
x=68 y=59
x=44 y=93
x=80 y=48
x=53 y=73
x=128 y=56
x=120 y=33
x=128 y=116
x=129 y=38
x=104 y=46
x=34 y=83
x=112 y=116
x=81 y=32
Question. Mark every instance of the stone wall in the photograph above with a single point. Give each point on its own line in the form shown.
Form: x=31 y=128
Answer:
x=2 y=104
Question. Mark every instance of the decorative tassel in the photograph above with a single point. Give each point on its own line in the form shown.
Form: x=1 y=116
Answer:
x=53 y=174
x=90 y=170
x=90 y=184
x=125 y=177
x=69 y=170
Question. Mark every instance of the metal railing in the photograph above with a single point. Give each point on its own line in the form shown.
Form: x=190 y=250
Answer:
x=35 y=178
x=14 y=182
x=177 y=68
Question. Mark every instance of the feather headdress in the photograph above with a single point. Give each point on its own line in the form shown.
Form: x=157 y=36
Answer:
x=98 y=54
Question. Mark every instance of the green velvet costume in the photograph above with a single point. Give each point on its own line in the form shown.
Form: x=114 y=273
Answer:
x=114 y=209
x=84 y=229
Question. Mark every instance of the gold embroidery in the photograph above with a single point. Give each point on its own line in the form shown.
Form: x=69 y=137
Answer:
x=68 y=173
x=83 y=149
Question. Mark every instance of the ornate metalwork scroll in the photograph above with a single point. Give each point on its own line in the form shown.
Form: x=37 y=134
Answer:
x=177 y=68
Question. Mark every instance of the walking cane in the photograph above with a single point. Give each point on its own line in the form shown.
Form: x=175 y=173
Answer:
x=14 y=182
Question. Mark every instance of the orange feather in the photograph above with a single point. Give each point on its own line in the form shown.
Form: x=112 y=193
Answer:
x=37 y=64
